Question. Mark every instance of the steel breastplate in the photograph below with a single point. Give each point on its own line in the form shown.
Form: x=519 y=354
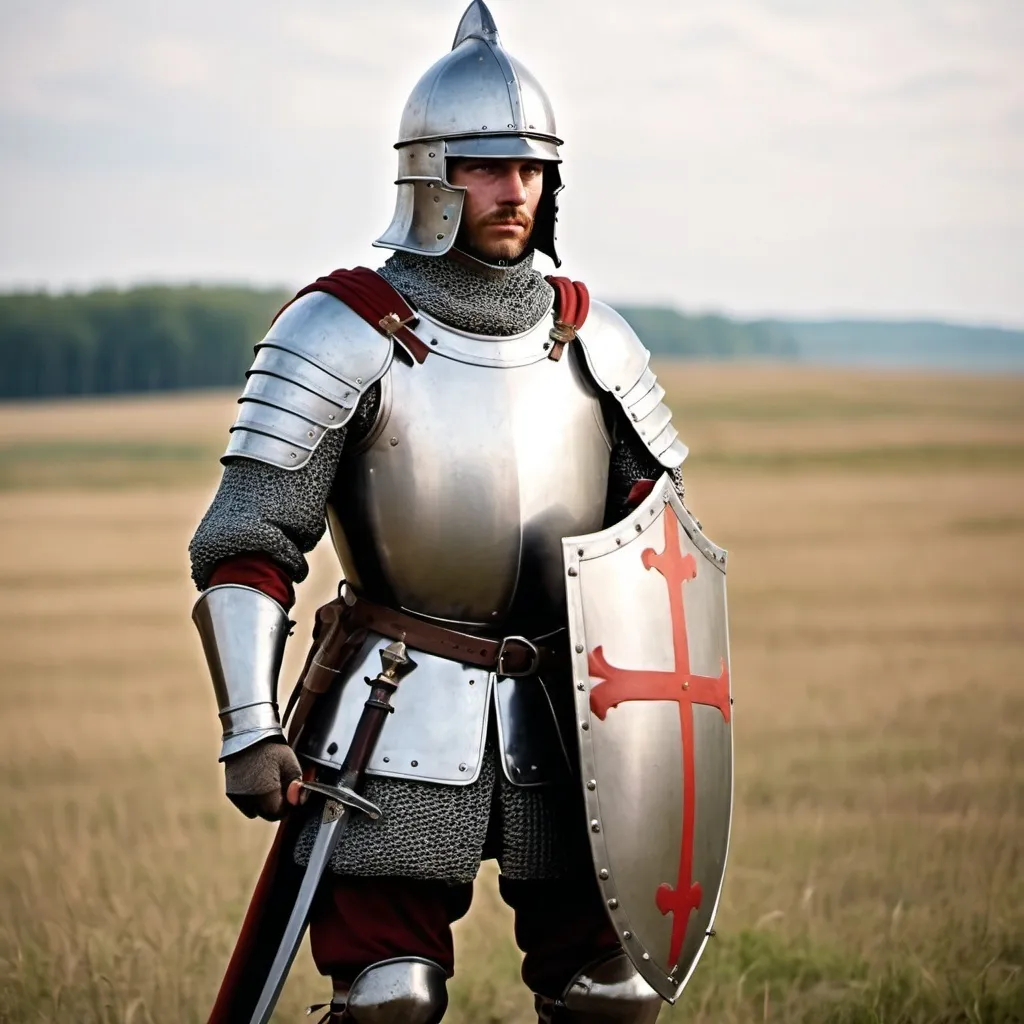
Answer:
x=483 y=457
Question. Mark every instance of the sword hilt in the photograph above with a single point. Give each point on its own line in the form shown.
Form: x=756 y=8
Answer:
x=346 y=796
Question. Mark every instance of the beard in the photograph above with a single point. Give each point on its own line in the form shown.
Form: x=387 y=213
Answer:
x=478 y=241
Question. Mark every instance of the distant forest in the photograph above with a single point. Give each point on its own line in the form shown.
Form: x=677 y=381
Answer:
x=167 y=338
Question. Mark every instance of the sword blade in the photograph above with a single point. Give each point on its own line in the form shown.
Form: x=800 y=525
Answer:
x=333 y=823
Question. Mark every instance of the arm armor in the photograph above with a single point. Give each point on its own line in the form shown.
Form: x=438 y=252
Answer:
x=619 y=362
x=318 y=359
x=243 y=633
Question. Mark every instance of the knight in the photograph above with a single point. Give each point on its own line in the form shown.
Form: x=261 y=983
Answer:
x=456 y=421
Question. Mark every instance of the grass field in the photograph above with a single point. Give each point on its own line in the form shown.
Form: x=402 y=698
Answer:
x=876 y=533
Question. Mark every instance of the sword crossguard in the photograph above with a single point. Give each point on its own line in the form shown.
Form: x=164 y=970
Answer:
x=346 y=796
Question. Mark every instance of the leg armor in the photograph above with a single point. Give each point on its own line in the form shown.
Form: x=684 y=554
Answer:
x=607 y=992
x=406 y=990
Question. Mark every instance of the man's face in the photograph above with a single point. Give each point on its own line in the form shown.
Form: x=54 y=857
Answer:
x=501 y=202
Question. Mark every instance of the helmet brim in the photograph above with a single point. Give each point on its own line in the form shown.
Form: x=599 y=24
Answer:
x=503 y=147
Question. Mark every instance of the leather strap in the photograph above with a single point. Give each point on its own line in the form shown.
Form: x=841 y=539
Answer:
x=572 y=304
x=509 y=656
x=367 y=294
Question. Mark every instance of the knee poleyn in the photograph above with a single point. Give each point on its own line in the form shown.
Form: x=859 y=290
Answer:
x=610 y=991
x=406 y=990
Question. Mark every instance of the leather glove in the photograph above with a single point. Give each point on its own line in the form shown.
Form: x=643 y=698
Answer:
x=257 y=779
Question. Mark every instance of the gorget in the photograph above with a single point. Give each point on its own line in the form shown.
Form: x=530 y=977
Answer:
x=469 y=295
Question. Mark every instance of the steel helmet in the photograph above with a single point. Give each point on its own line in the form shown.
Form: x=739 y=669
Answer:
x=477 y=101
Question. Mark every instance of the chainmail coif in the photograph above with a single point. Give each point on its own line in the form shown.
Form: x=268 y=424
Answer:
x=470 y=295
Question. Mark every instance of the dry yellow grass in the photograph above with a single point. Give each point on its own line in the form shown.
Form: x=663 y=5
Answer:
x=876 y=533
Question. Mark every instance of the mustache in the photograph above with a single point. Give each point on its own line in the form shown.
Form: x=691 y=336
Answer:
x=520 y=217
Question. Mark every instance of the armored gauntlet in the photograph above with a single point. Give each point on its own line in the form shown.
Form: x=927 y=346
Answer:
x=243 y=633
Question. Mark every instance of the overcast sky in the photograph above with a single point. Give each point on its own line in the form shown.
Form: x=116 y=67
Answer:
x=753 y=156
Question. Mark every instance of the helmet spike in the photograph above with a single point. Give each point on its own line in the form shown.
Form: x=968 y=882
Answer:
x=477 y=23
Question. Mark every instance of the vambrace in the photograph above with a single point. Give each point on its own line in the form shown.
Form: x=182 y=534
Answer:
x=610 y=991
x=243 y=633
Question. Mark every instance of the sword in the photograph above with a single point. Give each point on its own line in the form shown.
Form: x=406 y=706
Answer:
x=340 y=801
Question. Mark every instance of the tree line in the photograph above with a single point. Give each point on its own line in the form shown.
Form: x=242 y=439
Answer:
x=168 y=338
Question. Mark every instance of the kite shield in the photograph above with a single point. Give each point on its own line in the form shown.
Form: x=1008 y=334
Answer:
x=650 y=640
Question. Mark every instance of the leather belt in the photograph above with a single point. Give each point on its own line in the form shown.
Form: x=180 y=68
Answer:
x=511 y=656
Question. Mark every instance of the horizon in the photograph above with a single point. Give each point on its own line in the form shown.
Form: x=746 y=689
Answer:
x=799 y=161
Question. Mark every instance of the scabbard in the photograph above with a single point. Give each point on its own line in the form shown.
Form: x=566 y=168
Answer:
x=262 y=929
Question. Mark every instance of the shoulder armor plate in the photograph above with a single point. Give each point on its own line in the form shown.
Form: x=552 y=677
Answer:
x=318 y=359
x=620 y=365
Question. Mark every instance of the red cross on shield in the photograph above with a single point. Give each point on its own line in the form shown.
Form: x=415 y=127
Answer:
x=649 y=628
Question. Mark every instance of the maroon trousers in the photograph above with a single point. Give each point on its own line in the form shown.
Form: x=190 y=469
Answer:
x=560 y=925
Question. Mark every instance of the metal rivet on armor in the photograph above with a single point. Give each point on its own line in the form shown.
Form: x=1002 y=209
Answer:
x=444 y=217
x=573 y=572
x=731 y=701
x=627 y=935
x=595 y=825
x=638 y=527
x=579 y=648
x=547 y=345
x=330 y=415
x=439 y=237
x=579 y=551
x=618 y=540
x=647 y=956
x=617 y=388
x=462 y=767
x=603 y=873
x=581 y=687
x=393 y=441
x=472 y=681
x=711 y=933
x=387 y=759
x=686 y=684
x=531 y=126
x=332 y=748
x=437 y=199
x=584 y=726
x=592 y=784
x=292 y=455
x=613 y=904
x=359 y=380
x=511 y=126
x=483 y=128
x=310 y=434
x=415 y=764
x=431 y=154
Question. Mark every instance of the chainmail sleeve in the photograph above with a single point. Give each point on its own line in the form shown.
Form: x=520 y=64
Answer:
x=279 y=512
x=631 y=462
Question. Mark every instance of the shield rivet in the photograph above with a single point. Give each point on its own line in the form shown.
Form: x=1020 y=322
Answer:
x=638 y=527
x=613 y=904
x=462 y=767
x=393 y=442
x=581 y=687
x=647 y=956
x=579 y=551
x=618 y=540
x=686 y=684
x=584 y=726
x=387 y=759
x=415 y=764
x=573 y=572
x=579 y=648
x=627 y=935
x=603 y=872
x=595 y=825
x=591 y=784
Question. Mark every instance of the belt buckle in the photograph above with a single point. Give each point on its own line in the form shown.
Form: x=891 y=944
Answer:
x=531 y=649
